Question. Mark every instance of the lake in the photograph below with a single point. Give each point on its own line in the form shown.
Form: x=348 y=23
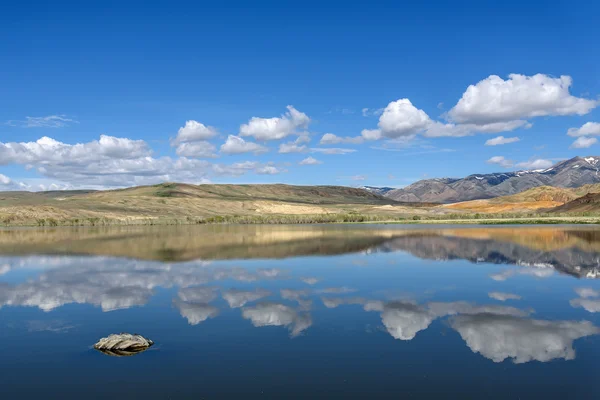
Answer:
x=321 y=311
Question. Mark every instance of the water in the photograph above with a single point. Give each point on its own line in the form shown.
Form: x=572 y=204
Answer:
x=277 y=312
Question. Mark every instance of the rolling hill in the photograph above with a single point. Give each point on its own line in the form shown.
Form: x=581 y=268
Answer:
x=543 y=198
x=176 y=201
x=588 y=203
x=571 y=173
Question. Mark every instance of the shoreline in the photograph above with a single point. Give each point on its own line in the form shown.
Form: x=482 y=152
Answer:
x=306 y=220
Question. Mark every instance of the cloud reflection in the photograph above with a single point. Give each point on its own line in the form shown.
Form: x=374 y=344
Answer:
x=275 y=314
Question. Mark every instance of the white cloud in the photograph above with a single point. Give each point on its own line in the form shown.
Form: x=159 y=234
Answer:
x=201 y=149
x=498 y=337
x=587 y=129
x=5 y=180
x=332 y=150
x=310 y=161
x=241 y=168
x=330 y=138
x=194 y=131
x=501 y=161
x=269 y=169
x=401 y=118
x=371 y=134
x=277 y=127
x=439 y=129
x=112 y=162
x=503 y=296
x=368 y=112
x=583 y=142
x=519 y=97
x=237 y=145
x=50 y=121
x=535 y=164
x=296 y=146
x=501 y=140
x=358 y=177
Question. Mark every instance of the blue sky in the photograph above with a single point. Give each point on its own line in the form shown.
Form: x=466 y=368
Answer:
x=137 y=73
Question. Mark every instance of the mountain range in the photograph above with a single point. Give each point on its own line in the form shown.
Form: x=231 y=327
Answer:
x=572 y=173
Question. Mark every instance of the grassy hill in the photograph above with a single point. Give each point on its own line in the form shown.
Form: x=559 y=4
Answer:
x=532 y=200
x=175 y=202
x=585 y=204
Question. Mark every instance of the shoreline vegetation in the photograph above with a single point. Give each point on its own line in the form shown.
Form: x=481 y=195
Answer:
x=474 y=219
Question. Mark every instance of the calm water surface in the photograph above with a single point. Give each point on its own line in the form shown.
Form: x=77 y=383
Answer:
x=302 y=312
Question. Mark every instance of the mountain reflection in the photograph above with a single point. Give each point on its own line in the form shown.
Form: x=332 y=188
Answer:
x=573 y=251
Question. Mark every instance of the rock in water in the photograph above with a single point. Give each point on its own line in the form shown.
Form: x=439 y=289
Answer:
x=123 y=344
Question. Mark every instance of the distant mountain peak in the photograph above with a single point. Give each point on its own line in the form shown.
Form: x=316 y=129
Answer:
x=574 y=172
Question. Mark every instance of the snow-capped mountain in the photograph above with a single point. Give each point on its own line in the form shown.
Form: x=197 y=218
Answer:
x=575 y=172
x=377 y=190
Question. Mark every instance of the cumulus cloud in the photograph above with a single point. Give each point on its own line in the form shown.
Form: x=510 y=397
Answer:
x=310 y=161
x=491 y=106
x=503 y=296
x=583 y=142
x=401 y=118
x=241 y=168
x=49 y=121
x=333 y=150
x=107 y=162
x=587 y=129
x=439 y=129
x=501 y=161
x=297 y=146
x=535 y=164
x=194 y=131
x=501 y=140
x=277 y=127
x=501 y=337
x=239 y=298
x=237 y=145
x=8 y=184
x=275 y=314
x=519 y=97
x=201 y=149
x=330 y=138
